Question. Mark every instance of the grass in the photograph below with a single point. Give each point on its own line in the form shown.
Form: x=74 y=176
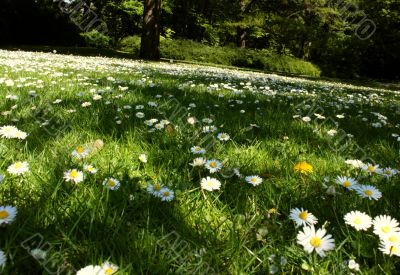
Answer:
x=235 y=230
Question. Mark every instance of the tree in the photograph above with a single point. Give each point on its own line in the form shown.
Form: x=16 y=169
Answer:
x=150 y=43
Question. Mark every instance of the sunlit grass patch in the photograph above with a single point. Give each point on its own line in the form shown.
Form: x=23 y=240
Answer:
x=156 y=168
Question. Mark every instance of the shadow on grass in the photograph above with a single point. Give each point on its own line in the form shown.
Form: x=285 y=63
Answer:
x=94 y=223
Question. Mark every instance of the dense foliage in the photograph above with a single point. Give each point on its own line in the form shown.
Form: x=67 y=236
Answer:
x=344 y=38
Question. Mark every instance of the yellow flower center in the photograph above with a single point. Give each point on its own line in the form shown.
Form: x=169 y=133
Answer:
x=166 y=194
x=385 y=229
x=253 y=180
x=73 y=174
x=4 y=214
x=346 y=183
x=80 y=150
x=109 y=271
x=393 y=239
x=388 y=172
x=371 y=168
x=315 y=242
x=213 y=164
x=156 y=187
x=357 y=221
x=393 y=249
x=272 y=211
x=369 y=193
x=303 y=215
x=18 y=165
x=111 y=183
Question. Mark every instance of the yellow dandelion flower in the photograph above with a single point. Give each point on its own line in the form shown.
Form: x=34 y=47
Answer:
x=303 y=168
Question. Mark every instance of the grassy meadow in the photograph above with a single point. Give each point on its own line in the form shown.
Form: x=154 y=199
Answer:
x=126 y=167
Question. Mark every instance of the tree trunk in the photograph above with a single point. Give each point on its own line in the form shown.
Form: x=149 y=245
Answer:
x=150 y=43
x=242 y=38
x=242 y=31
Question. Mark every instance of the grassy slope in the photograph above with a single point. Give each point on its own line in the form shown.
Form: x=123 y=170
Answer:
x=87 y=224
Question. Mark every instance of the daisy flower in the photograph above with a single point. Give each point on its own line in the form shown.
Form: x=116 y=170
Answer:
x=353 y=265
x=392 y=238
x=148 y=123
x=210 y=184
x=91 y=270
x=358 y=220
x=319 y=116
x=332 y=132
x=198 y=162
x=369 y=192
x=38 y=254
x=389 y=172
x=109 y=268
x=223 y=136
x=97 y=97
x=389 y=249
x=7 y=214
x=209 y=129
x=302 y=217
x=198 y=150
x=159 y=126
x=74 y=176
x=86 y=104
x=139 y=115
x=385 y=225
x=20 y=135
x=165 y=122
x=355 y=163
x=237 y=173
x=8 y=131
x=192 y=120
x=154 y=189
x=346 y=182
x=303 y=168
x=143 y=158
x=213 y=165
x=207 y=120
x=254 y=180
x=371 y=168
x=318 y=240
x=90 y=168
x=166 y=194
x=18 y=168
x=80 y=152
x=111 y=183
x=3 y=259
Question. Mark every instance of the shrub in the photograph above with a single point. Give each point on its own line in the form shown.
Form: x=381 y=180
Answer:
x=96 y=39
x=130 y=44
x=188 y=50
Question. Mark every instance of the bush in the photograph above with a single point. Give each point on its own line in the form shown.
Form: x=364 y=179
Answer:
x=130 y=44
x=96 y=39
x=188 y=50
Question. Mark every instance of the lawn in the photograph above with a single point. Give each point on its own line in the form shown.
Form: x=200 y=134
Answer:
x=157 y=168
